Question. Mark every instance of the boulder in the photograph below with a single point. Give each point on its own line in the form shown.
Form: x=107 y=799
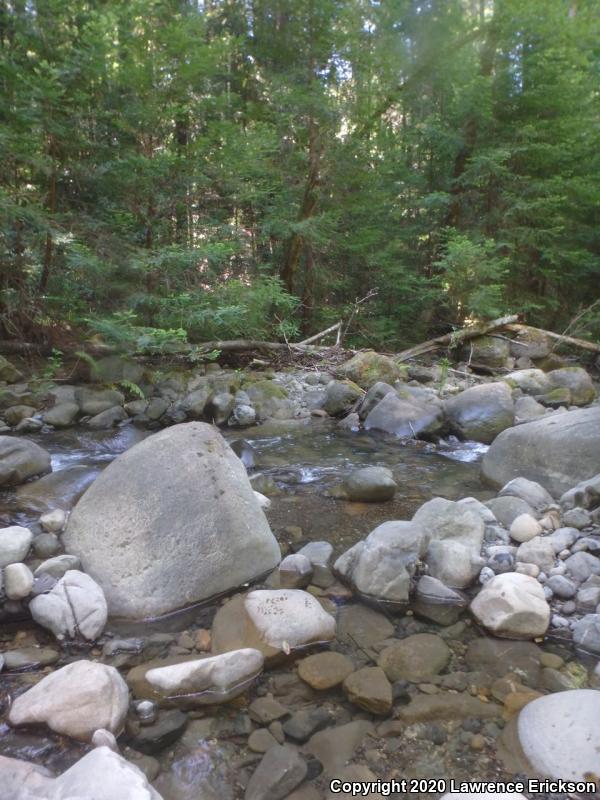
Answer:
x=560 y=736
x=406 y=418
x=272 y=621
x=8 y=372
x=416 y=658
x=577 y=381
x=61 y=415
x=481 y=412
x=585 y=495
x=340 y=397
x=557 y=451
x=437 y=602
x=539 y=551
x=92 y=401
x=295 y=572
x=373 y=396
x=108 y=419
x=75 y=700
x=75 y=607
x=455 y=535
x=370 y=485
x=58 y=489
x=22 y=780
x=368 y=367
x=528 y=409
x=512 y=605
x=16 y=414
x=531 y=343
x=170 y=522
x=114 y=369
x=269 y=400
x=15 y=542
x=209 y=680
x=103 y=774
x=586 y=634
x=529 y=381
x=507 y=508
x=21 y=459
x=529 y=491
x=488 y=351
x=382 y=566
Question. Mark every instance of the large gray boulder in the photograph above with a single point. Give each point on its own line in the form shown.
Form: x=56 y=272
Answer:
x=21 y=459
x=170 y=522
x=557 y=451
x=382 y=566
x=405 y=417
x=577 y=381
x=512 y=605
x=481 y=412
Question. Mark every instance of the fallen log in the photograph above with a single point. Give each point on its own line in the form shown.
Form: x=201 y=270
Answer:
x=560 y=338
x=315 y=338
x=455 y=338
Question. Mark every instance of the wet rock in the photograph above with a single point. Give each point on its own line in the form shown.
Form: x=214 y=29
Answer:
x=456 y=537
x=243 y=415
x=21 y=459
x=358 y=625
x=369 y=688
x=46 y=545
x=210 y=532
x=559 y=734
x=376 y=393
x=22 y=780
x=108 y=419
x=416 y=658
x=512 y=605
x=62 y=488
x=279 y=773
x=74 y=607
x=16 y=414
x=209 y=680
x=524 y=527
x=75 y=701
x=340 y=397
x=18 y=581
x=586 y=634
x=295 y=572
x=15 y=542
x=383 y=565
x=167 y=729
x=272 y=621
x=303 y=723
x=62 y=415
x=261 y=740
x=481 y=412
x=103 y=773
x=405 y=417
x=92 y=401
x=557 y=451
x=445 y=706
x=370 y=485
x=335 y=746
x=319 y=554
x=438 y=602
x=29 y=657
x=266 y=709
x=325 y=670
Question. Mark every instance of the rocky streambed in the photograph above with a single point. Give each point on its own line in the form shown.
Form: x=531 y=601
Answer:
x=393 y=615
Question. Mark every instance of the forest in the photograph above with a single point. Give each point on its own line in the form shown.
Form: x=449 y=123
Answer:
x=177 y=171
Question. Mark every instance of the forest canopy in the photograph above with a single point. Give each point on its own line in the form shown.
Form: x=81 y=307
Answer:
x=188 y=170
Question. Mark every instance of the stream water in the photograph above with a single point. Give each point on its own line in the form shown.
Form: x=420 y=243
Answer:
x=299 y=464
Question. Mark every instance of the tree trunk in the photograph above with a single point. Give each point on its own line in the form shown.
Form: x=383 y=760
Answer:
x=49 y=246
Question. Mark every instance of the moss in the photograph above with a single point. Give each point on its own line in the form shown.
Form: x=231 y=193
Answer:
x=267 y=389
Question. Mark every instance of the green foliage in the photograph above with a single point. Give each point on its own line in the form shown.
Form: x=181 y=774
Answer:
x=131 y=389
x=53 y=364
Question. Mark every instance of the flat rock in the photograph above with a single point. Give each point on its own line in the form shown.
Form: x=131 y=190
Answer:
x=361 y=626
x=325 y=670
x=416 y=658
x=335 y=746
x=75 y=607
x=278 y=774
x=512 y=605
x=369 y=689
x=445 y=706
x=370 y=485
x=29 y=657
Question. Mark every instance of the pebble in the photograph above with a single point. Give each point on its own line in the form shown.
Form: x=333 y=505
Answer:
x=18 y=581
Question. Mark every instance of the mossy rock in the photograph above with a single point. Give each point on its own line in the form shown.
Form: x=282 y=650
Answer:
x=368 y=367
x=266 y=390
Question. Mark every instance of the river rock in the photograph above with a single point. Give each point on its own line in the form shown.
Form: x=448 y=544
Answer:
x=529 y=381
x=18 y=581
x=340 y=396
x=529 y=491
x=559 y=734
x=577 y=381
x=383 y=565
x=373 y=396
x=108 y=419
x=272 y=621
x=361 y=626
x=21 y=459
x=62 y=415
x=497 y=657
x=369 y=689
x=586 y=634
x=481 y=412
x=58 y=489
x=8 y=371
x=490 y=351
x=58 y=566
x=92 y=401
x=295 y=572
x=325 y=670
x=277 y=775
x=512 y=605
x=416 y=658
x=585 y=495
x=181 y=493
x=527 y=409
x=368 y=367
x=370 y=485
x=538 y=551
x=335 y=746
x=75 y=700
x=524 y=527
x=16 y=414
x=405 y=418
x=437 y=602
x=558 y=451
x=22 y=780
x=54 y=521
x=319 y=554
x=15 y=542
x=103 y=774
x=507 y=508
x=456 y=536
x=581 y=566
x=28 y=657
x=210 y=680
x=76 y=606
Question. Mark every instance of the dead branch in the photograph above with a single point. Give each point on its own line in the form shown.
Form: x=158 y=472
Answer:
x=322 y=334
x=559 y=337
